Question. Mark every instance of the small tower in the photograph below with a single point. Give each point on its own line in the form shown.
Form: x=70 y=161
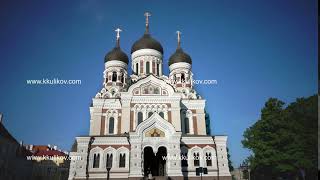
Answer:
x=115 y=73
x=180 y=71
x=146 y=54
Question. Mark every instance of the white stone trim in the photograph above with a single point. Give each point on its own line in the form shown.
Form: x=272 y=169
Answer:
x=115 y=63
x=146 y=52
x=179 y=65
x=106 y=103
x=110 y=141
x=194 y=103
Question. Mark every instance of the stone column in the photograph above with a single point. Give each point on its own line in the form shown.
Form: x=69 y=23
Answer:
x=175 y=115
x=136 y=157
x=78 y=167
x=174 y=165
x=125 y=115
x=221 y=148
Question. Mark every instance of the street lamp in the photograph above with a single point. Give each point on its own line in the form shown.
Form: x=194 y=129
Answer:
x=240 y=171
x=108 y=172
x=245 y=167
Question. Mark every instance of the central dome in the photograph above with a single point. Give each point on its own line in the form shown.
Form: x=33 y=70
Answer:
x=147 y=42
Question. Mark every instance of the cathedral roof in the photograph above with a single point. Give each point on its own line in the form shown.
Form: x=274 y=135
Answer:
x=179 y=56
x=116 y=54
x=147 y=42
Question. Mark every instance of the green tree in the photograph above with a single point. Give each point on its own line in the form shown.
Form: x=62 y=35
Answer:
x=284 y=140
x=74 y=146
x=302 y=119
x=231 y=168
x=207 y=119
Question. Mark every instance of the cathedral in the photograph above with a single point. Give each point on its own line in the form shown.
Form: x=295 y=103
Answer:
x=147 y=125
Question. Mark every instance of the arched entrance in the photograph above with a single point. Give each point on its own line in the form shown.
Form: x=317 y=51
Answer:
x=154 y=163
x=149 y=143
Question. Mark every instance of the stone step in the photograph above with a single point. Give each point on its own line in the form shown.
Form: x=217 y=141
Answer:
x=156 y=178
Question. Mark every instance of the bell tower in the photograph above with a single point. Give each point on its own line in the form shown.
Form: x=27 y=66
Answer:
x=115 y=74
x=180 y=69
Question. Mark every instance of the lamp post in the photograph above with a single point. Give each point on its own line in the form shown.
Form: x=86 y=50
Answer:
x=108 y=172
x=245 y=167
x=240 y=171
x=89 y=148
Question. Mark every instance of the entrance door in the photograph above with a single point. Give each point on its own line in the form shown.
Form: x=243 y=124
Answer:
x=155 y=164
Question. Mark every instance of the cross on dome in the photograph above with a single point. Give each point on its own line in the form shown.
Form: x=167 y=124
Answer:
x=118 y=30
x=179 y=38
x=147 y=15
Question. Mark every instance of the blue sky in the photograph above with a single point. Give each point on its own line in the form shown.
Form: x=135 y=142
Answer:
x=254 y=49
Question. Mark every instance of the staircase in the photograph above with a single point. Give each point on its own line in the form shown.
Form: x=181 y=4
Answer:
x=156 y=178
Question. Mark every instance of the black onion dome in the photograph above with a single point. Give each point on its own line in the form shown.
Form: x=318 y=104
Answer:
x=179 y=56
x=116 y=54
x=147 y=42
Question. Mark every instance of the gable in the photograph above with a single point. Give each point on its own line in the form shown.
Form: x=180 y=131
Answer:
x=151 y=86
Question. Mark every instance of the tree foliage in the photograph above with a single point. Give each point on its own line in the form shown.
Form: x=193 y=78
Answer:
x=207 y=119
x=231 y=168
x=284 y=140
x=74 y=146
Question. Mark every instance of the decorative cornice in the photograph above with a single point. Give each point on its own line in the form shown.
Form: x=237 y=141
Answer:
x=194 y=103
x=115 y=63
x=146 y=52
x=179 y=65
x=197 y=140
x=110 y=141
x=106 y=103
x=221 y=140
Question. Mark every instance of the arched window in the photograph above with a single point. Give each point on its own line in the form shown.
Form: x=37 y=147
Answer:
x=148 y=67
x=137 y=68
x=114 y=76
x=96 y=160
x=150 y=114
x=186 y=125
x=208 y=159
x=122 y=162
x=183 y=78
x=111 y=125
x=140 y=117
x=158 y=70
x=196 y=160
x=161 y=114
x=109 y=160
x=122 y=78
x=184 y=159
